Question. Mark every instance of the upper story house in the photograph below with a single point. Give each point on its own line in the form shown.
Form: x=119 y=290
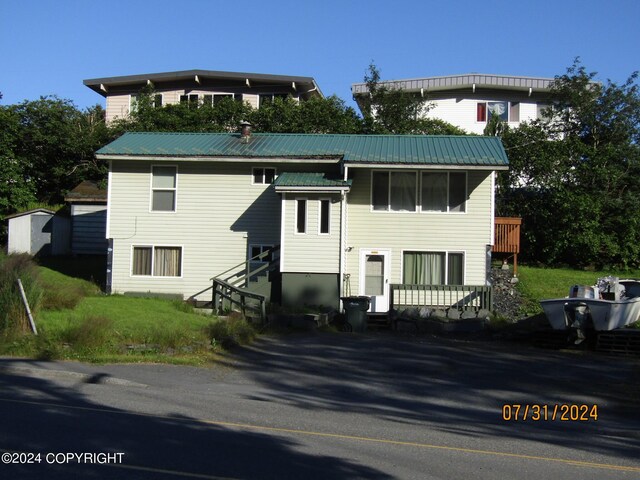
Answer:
x=349 y=214
x=468 y=101
x=199 y=86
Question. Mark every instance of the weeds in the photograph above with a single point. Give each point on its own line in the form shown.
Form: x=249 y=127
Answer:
x=13 y=315
x=92 y=332
x=230 y=332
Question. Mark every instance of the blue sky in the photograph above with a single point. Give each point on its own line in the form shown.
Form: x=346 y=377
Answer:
x=48 y=47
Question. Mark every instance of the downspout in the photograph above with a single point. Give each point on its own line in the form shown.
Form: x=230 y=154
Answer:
x=343 y=234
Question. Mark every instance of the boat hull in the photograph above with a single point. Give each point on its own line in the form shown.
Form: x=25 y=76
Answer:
x=604 y=314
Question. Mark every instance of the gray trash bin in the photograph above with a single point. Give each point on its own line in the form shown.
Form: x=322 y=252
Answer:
x=356 y=311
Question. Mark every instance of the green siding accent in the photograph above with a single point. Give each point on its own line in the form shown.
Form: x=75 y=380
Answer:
x=384 y=149
x=310 y=289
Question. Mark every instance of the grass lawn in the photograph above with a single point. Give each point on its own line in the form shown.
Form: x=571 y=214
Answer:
x=77 y=321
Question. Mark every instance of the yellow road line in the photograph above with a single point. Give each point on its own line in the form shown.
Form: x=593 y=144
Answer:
x=245 y=426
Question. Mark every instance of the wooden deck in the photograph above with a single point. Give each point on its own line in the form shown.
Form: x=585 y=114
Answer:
x=507 y=238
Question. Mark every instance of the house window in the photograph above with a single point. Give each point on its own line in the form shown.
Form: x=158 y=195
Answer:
x=301 y=215
x=163 y=188
x=157 y=261
x=324 y=216
x=433 y=268
x=266 y=98
x=542 y=109
x=514 y=111
x=255 y=250
x=134 y=98
x=444 y=192
x=507 y=111
x=215 y=99
x=190 y=99
x=263 y=176
x=481 y=112
x=394 y=191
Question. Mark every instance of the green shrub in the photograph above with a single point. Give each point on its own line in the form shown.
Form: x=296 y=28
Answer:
x=13 y=315
x=230 y=332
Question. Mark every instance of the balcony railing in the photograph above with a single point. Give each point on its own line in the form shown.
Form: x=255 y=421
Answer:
x=507 y=238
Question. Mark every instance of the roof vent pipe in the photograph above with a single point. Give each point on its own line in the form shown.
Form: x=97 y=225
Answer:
x=245 y=131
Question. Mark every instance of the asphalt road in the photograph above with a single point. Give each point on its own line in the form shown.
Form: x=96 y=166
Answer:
x=326 y=407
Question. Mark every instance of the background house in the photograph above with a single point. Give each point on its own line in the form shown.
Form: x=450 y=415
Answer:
x=193 y=86
x=350 y=214
x=468 y=101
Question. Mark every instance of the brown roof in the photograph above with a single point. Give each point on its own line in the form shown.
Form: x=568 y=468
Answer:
x=86 y=192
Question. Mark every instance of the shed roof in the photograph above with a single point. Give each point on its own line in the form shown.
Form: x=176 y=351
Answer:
x=46 y=211
x=432 y=150
x=87 y=192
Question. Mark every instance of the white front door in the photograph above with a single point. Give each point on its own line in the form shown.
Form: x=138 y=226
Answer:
x=374 y=278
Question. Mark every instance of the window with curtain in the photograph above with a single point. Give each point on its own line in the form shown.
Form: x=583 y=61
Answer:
x=157 y=261
x=433 y=268
x=394 y=191
x=163 y=188
x=444 y=192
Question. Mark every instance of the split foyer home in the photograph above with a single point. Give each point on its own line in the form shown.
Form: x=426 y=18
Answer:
x=303 y=219
x=198 y=87
x=468 y=101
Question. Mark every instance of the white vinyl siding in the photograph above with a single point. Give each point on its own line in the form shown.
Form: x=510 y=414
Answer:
x=312 y=252
x=462 y=112
x=469 y=233
x=215 y=233
x=220 y=215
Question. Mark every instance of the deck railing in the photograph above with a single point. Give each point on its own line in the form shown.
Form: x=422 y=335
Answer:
x=226 y=296
x=463 y=297
x=507 y=238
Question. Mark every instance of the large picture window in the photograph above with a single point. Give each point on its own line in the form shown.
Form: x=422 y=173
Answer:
x=394 y=191
x=157 y=261
x=163 y=188
x=433 y=268
x=444 y=191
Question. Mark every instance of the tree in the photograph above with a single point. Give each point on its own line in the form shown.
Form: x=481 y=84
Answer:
x=53 y=143
x=16 y=189
x=388 y=110
x=316 y=115
x=574 y=176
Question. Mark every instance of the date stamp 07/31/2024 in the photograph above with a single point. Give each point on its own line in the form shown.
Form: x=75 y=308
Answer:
x=561 y=412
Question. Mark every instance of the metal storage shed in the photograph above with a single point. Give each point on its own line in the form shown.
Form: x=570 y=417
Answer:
x=38 y=232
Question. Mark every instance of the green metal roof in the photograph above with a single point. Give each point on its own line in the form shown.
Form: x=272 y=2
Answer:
x=443 y=150
x=309 y=179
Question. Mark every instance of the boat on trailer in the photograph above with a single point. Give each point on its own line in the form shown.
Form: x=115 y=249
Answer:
x=610 y=304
